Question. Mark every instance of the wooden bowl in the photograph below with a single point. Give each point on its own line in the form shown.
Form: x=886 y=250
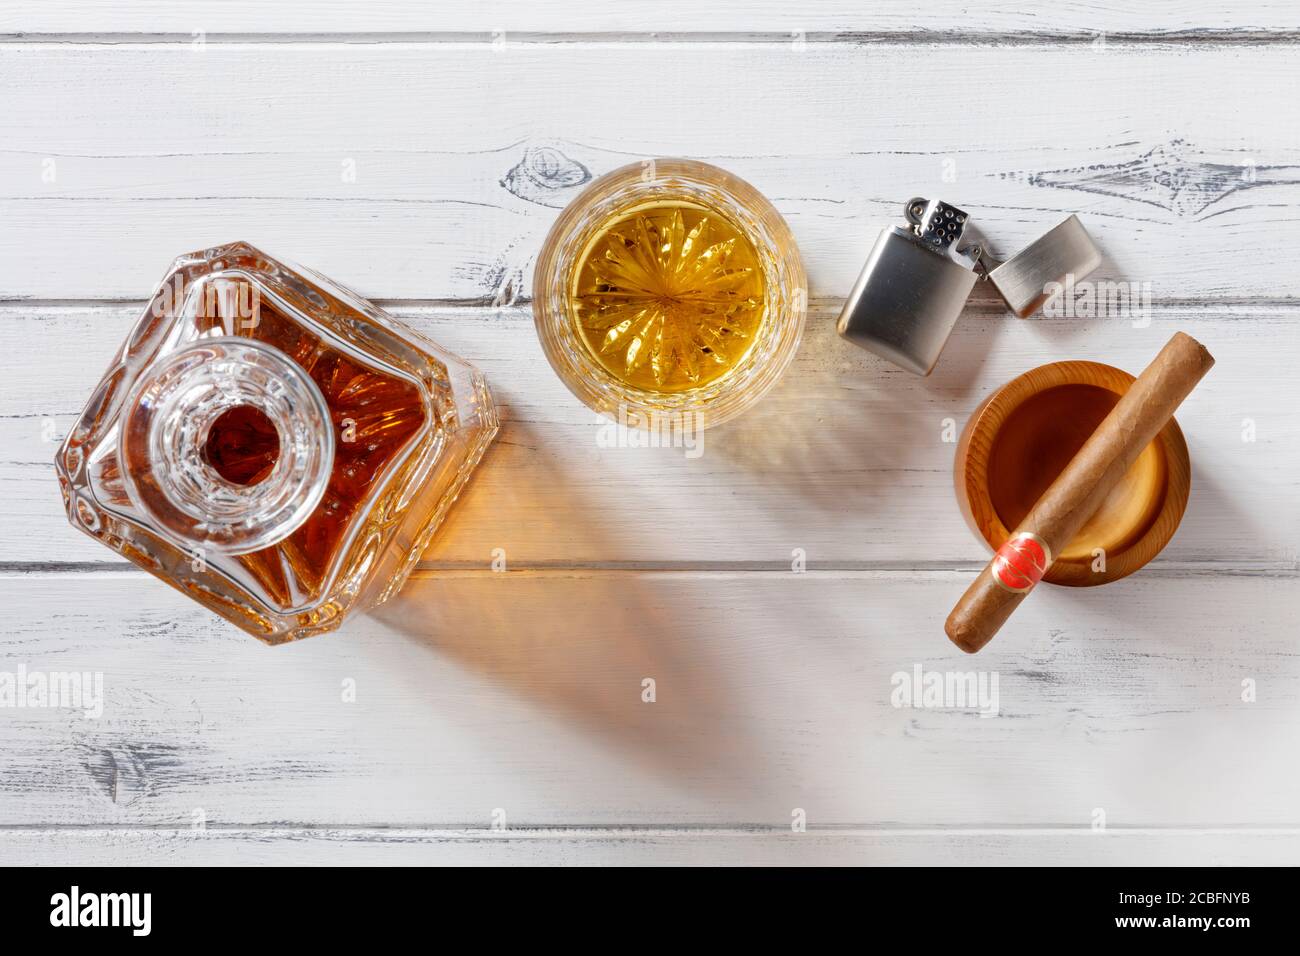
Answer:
x=1024 y=434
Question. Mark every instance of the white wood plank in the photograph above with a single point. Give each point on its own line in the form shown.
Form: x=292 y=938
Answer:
x=672 y=16
x=463 y=154
x=573 y=847
x=522 y=692
x=846 y=459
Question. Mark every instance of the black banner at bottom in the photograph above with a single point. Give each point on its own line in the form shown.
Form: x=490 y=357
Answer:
x=332 y=906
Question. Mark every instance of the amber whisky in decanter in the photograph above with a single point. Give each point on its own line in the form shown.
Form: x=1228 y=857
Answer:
x=273 y=445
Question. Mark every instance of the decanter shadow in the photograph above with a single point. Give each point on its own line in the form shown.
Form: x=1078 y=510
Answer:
x=616 y=650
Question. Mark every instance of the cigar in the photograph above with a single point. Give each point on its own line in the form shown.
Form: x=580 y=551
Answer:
x=1077 y=492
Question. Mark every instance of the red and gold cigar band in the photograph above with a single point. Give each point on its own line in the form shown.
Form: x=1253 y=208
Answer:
x=1021 y=562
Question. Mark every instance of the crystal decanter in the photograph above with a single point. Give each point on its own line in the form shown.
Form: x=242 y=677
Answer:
x=273 y=445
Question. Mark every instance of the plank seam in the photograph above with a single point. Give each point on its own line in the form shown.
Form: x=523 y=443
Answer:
x=634 y=830
x=1021 y=38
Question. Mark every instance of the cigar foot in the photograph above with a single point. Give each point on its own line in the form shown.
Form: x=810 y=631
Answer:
x=968 y=638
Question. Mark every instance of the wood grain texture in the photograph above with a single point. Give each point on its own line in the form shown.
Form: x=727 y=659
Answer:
x=375 y=165
x=556 y=18
x=774 y=691
x=398 y=846
x=419 y=154
x=849 y=458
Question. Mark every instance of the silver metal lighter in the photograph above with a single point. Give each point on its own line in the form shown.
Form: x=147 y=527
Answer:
x=917 y=279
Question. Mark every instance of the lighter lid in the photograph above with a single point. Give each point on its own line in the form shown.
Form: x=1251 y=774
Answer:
x=1026 y=280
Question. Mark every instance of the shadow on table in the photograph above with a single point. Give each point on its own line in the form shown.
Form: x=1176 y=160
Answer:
x=1209 y=505
x=844 y=429
x=580 y=643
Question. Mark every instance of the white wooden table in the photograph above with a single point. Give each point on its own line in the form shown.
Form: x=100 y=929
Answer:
x=419 y=153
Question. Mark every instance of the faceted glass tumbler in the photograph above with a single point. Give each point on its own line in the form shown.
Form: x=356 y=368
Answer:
x=674 y=268
x=273 y=445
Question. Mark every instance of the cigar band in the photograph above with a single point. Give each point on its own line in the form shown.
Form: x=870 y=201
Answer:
x=1021 y=562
